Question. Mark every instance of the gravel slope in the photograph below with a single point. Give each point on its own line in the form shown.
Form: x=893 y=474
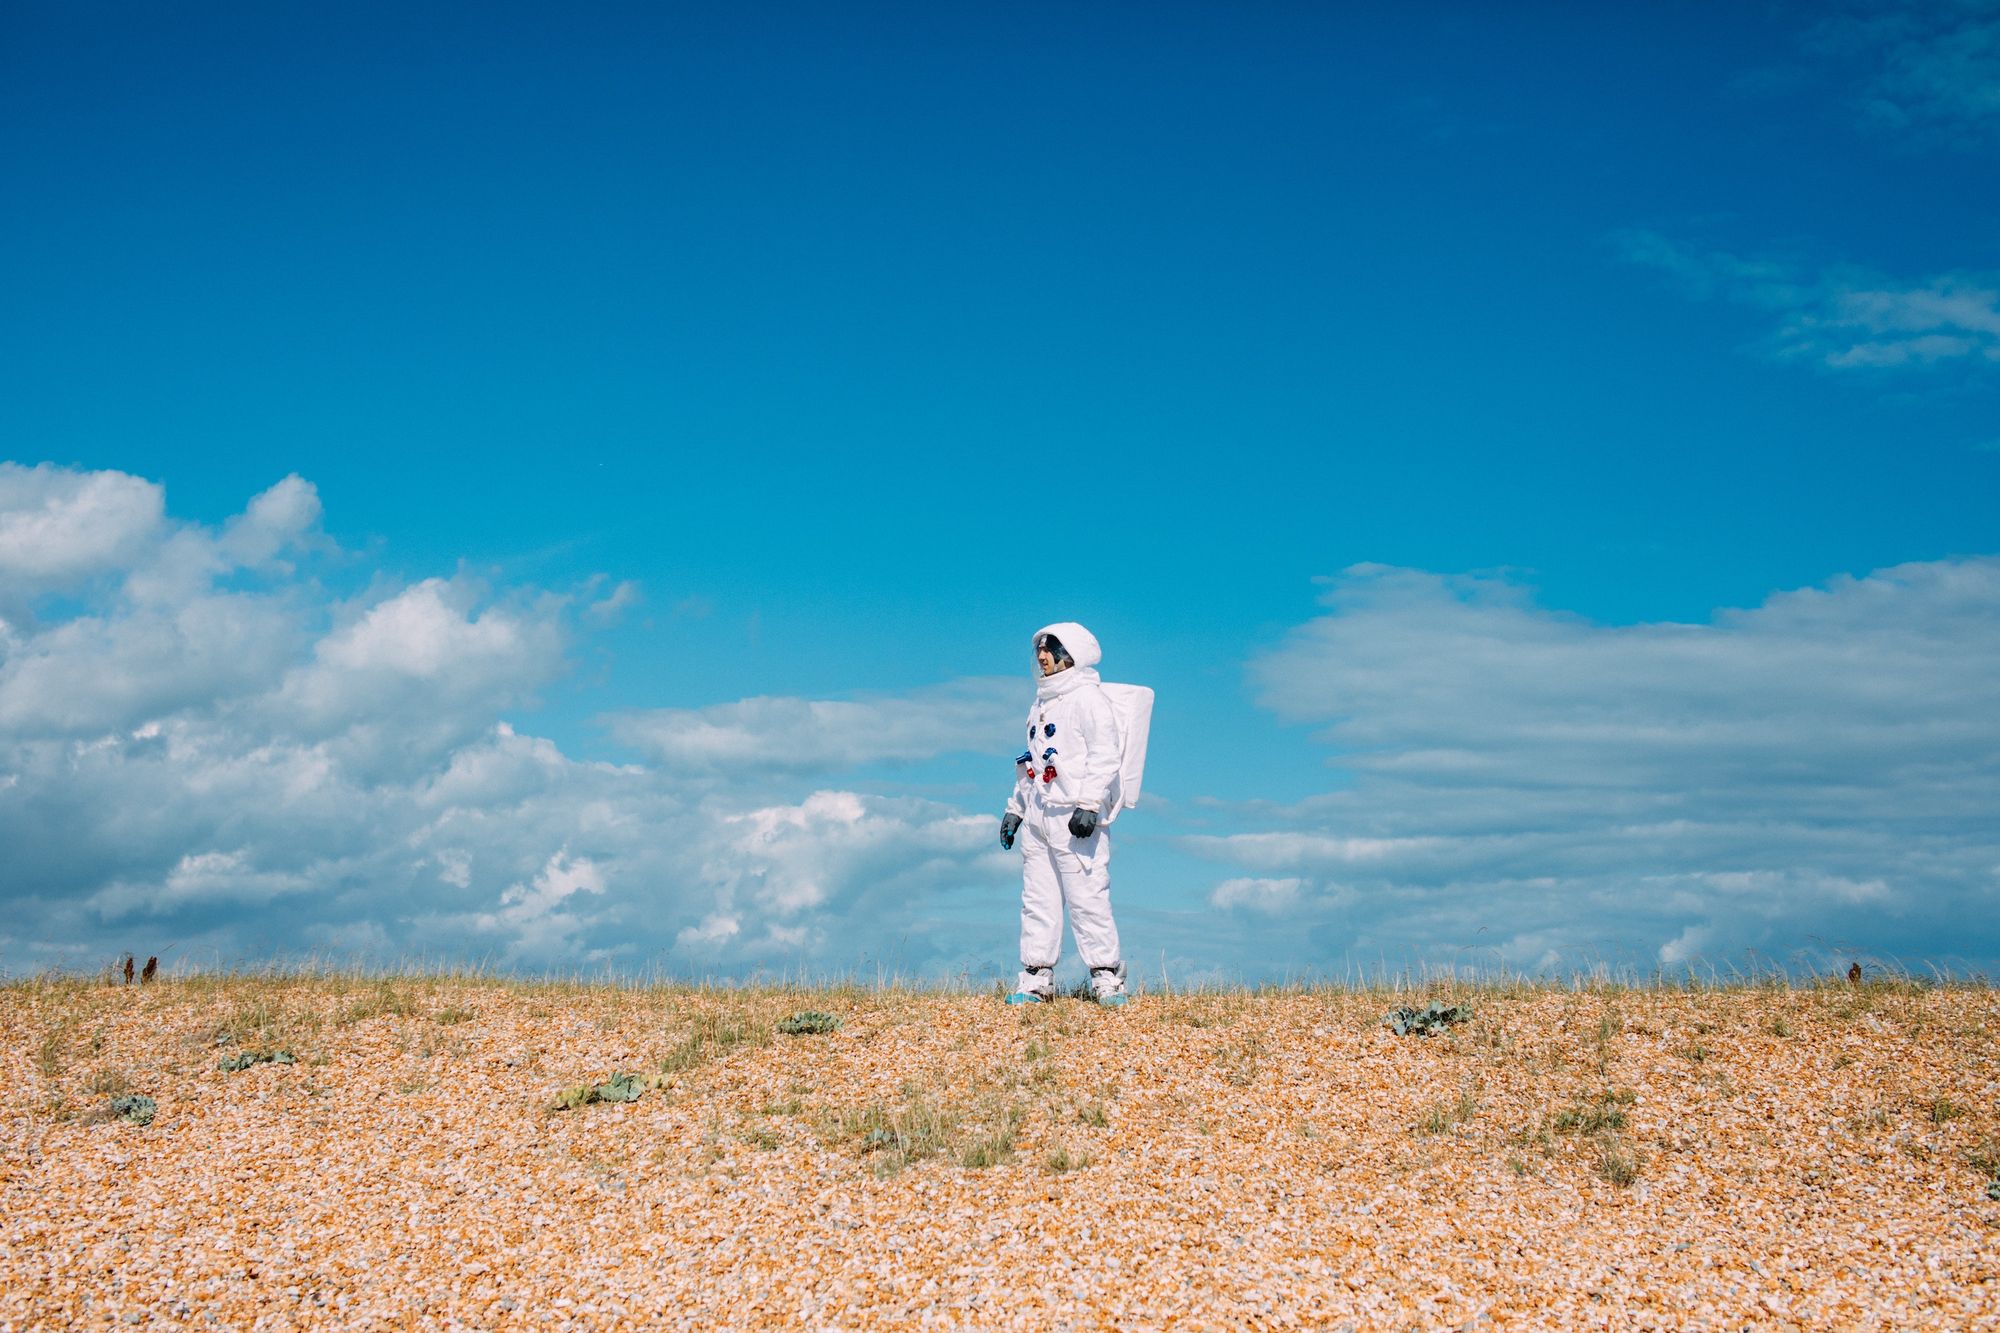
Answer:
x=1622 y=1159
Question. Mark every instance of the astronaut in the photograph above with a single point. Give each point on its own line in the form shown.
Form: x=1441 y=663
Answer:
x=1065 y=789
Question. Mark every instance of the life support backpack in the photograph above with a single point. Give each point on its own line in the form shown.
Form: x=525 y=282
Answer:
x=1132 y=705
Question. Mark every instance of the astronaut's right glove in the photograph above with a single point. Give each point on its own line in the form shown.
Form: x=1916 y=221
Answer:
x=1009 y=826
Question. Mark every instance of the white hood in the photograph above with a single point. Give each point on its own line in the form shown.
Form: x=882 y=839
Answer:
x=1081 y=643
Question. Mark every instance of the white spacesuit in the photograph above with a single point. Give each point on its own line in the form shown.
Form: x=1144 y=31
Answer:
x=1066 y=788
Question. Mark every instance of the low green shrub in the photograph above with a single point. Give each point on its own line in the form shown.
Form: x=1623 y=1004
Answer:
x=244 y=1059
x=1436 y=1016
x=135 y=1108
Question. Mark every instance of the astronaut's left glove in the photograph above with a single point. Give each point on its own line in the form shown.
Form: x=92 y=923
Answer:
x=1082 y=823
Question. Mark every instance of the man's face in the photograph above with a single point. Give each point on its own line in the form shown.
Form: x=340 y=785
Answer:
x=1050 y=655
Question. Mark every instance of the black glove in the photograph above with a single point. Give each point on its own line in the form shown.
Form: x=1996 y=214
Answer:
x=1082 y=823
x=1009 y=826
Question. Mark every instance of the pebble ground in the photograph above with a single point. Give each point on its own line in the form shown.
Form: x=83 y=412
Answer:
x=1600 y=1158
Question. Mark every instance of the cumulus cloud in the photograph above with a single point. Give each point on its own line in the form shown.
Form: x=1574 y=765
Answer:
x=281 y=518
x=59 y=526
x=1257 y=895
x=1842 y=319
x=534 y=920
x=203 y=753
x=119 y=669
x=816 y=735
x=1822 y=767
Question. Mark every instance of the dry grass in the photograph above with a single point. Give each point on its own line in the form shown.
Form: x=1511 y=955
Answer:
x=1751 y=1155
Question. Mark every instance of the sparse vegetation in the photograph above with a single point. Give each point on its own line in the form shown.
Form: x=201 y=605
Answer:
x=383 y=999
x=109 y=1081
x=52 y=1056
x=1603 y=1112
x=993 y=1144
x=1984 y=1156
x=1618 y=1165
x=894 y=1136
x=1444 y=1115
x=712 y=1036
x=1062 y=1159
x=1240 y=1060
x=1867 y=1122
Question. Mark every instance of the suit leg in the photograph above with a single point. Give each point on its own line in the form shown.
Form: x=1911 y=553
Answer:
x=1041 y=897
x=1084 y=868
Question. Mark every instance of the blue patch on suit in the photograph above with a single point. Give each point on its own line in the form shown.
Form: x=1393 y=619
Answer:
x=1049 y=730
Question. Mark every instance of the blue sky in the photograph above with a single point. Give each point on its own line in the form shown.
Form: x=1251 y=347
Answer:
x=1546 y=462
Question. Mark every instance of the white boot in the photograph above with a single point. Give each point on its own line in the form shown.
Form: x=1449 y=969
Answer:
x=1107 y=985
x=1035 y=985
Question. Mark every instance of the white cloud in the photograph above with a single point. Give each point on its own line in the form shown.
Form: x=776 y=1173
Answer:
x=115 y=670
x=1822 y=767
x=716 y=929
x=200 y=878
x=423 y=633
x=411 y=676
x=1840 y=318
x=536 y=919
x=162 y=637
x=58 y=526
x=454 y=867
x=786 y=859
x=1257 y=895
x=809 y=735
x=187 y=558
x=282 y=517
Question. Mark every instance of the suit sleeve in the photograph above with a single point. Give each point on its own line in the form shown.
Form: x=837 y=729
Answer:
x=1024 y=777
x=1098 y=724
